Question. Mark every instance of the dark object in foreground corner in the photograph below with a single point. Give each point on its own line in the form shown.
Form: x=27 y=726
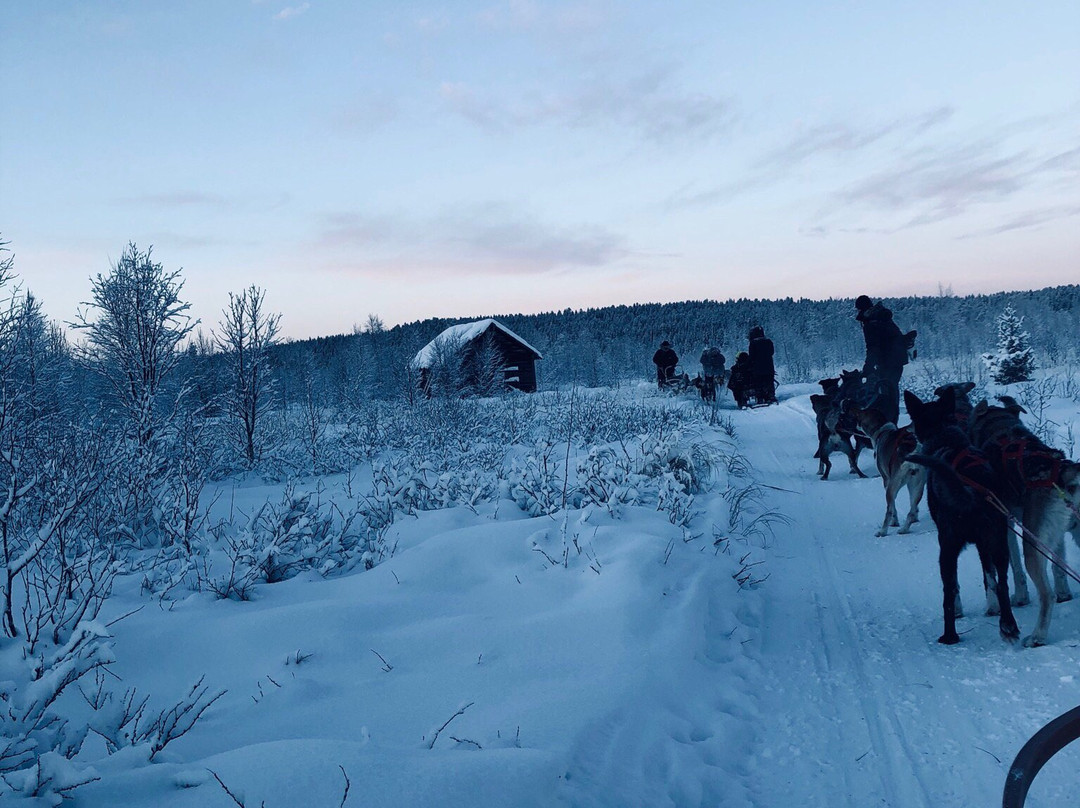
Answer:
x=1042 y=746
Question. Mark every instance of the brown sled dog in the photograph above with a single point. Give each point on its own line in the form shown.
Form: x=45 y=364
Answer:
x=892 y=445
x=1041 y=486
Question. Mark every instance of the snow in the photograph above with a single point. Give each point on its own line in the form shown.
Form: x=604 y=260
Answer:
x=638 y=674
x=460 y=334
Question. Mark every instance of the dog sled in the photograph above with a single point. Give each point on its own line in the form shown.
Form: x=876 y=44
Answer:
x=755 y=393
x=679 y=383
x=1035 y=754
x=761 y=395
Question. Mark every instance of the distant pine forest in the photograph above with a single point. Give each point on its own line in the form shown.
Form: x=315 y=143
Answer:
x=613 y=345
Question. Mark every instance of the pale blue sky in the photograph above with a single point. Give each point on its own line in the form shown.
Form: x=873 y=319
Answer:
x=467 y=158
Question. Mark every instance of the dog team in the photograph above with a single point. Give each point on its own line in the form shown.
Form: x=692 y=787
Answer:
x=987 y=477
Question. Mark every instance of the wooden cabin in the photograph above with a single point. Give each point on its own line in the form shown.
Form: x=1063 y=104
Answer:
x=516 y=357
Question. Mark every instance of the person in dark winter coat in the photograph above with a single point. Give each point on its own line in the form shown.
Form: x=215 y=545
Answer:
x=740 y=381
x=712 y=363
x=886 y=354
x=762 y=371
x=665 y=360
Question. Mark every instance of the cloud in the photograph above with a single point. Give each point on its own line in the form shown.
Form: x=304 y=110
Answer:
x=530 y=16
x=935 y=184
x=843 y=138
x=176 y=199
x=942 y=184
x=1032 y=218
x=486 y=239
x=368 y=113
x=649 y=104
x=292 y=11
x=836 y=138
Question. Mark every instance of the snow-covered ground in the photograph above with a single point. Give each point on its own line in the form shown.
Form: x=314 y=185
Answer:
x=637 y=673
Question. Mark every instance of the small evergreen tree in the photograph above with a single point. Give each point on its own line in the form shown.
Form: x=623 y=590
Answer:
x=1014 y=360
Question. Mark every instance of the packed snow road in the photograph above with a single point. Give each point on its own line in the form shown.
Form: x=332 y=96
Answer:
x=860 y=705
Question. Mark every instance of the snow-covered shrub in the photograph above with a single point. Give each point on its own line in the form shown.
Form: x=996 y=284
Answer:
x=124 y=721
x=37 y=742
x=1014 y=359
x=193 y=457
x=673 y=498
x=607 y=477
x=536 y=483
x=1036 y=397
x=289 y=536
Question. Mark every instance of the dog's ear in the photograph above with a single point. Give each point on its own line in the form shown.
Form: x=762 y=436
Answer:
x=948 y=397
x=912 y=402
x=967 y=387
x=938 y=390
x=1012 y=405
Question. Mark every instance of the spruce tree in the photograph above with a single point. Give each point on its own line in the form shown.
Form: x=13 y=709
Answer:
x=1014 y=360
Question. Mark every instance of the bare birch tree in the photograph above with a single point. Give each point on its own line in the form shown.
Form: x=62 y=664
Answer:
x=246 y=334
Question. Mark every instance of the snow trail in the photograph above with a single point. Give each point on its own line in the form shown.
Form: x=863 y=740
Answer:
x=861 y=706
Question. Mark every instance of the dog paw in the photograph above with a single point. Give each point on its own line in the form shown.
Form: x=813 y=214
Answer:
x=992 y=611
x=1032 y=641
x=1010 y=633
x=1064 y=597
x=880 y=533
x=1020 y=600
x=904 y=530
x=949 y=639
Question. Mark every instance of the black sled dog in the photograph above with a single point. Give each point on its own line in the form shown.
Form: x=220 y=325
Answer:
x=960 y=481
x=1042 y=487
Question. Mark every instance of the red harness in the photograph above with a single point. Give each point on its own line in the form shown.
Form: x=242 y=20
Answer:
x=904 y=444
x=1015 y=452
x=969 y=460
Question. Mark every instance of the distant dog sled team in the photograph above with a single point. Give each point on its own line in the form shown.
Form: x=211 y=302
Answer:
x=987 y=477
x=751 y=379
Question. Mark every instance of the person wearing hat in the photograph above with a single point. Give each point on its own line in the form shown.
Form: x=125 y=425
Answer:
x=665 y=360
x=886 y=353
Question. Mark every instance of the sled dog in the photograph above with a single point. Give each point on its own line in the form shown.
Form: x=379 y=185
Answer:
x=1041 y=487
x=892 y=445
x=959 y=481
x=836 y=428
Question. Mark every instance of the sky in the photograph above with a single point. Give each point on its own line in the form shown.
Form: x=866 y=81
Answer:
x=458 y=159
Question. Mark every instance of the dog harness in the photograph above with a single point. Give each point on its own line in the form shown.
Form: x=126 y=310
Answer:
x=905 y=444
x=970 y=461
x=1029 y=459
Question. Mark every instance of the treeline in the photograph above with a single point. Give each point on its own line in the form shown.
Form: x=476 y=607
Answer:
x=611 y=345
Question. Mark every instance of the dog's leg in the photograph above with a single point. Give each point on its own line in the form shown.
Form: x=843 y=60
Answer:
x=1061 y=580
x=1045 y=517
x=824 y=450
x=949 y=551
x=1020 y=596
x=995 y=563
x=852 y=456
x=916 y=482
x=891 y=489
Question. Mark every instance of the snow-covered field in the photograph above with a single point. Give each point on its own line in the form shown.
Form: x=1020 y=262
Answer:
x=606 y=656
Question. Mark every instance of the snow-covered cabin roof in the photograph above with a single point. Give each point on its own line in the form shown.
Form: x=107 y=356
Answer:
x=463 y=333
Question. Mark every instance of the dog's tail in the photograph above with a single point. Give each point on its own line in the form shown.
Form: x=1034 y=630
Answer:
x=961 y=492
